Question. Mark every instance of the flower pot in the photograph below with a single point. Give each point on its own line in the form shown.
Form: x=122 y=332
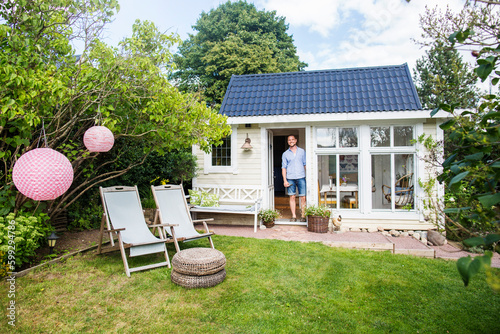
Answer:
x=317 y=224
x=268 y=224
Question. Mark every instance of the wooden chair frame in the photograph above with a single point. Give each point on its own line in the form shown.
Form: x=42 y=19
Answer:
x=403 y=196
x=114 y=228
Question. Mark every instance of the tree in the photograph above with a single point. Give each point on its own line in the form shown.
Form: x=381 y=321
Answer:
x=235 y=38
x=441 y=76
x=471 y=170
x=126 y=89
x=474 y=164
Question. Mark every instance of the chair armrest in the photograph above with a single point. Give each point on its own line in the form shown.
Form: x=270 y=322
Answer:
x=384 y=191
x=115 y=230
x=203 y=220
x=161 y=225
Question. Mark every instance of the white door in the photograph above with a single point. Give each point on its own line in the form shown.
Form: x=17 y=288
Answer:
x=270 y=169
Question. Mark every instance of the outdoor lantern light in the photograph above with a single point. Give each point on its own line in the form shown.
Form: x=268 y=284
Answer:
x=246 y=146
x=42 y=174
x=98 y=139
x=52 y=241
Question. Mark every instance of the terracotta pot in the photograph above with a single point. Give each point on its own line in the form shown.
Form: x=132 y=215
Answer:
x=317 y=224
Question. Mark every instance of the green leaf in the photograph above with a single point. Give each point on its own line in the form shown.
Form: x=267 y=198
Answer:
x=463 y=269
x=483 y=71
x=458 y=178
x=475 y=266
x=452 y=210
x=435 y=111
x=473 y=242
x=492 y=238
x=448 y=124
x=449 y=160
x=474 y=157
x=489 y=200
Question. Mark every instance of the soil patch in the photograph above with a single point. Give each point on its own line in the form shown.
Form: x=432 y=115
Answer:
x=68 y=242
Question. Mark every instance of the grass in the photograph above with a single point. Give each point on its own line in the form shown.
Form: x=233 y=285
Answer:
x=272 y=286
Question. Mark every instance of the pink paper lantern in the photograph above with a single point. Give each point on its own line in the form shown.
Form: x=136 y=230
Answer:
x=42 y=174
x=98 y=139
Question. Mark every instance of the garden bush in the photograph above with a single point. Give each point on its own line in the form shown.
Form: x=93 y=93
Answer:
x=171 y=167
x=21 y=234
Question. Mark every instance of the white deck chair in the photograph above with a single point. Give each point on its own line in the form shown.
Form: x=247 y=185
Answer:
x=172 y=208
x=124 y=217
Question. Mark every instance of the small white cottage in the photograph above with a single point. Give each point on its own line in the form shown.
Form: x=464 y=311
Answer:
x=357 y=127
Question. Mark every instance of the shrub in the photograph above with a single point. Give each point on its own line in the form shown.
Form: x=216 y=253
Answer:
x=268 y=215
x=85 y=216
x=21 y=235
x=320 y=210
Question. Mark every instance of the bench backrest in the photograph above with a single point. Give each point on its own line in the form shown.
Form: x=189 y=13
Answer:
x=229 y=194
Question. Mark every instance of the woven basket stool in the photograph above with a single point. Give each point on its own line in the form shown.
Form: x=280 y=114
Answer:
x=198 y=267
x=192 y=282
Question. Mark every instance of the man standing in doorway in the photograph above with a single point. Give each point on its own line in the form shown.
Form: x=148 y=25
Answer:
x=293 y=168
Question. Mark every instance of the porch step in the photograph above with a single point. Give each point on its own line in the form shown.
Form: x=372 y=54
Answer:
x=282 y=203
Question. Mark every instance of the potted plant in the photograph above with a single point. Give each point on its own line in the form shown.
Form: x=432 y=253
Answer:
x=318 y=217
x=268 y=216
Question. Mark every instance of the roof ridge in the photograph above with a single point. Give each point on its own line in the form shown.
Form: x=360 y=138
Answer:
x=324 y=70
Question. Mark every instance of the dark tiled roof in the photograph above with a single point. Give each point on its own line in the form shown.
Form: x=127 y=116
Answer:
x=384 y=88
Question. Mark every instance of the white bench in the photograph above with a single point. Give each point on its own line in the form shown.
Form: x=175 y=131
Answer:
x=234 y=200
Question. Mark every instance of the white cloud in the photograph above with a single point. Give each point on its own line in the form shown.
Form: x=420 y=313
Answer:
x=357 y=33
x=320 y=16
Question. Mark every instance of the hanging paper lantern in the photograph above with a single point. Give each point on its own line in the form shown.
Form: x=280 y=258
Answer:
x=42 y=174
x=98 y=139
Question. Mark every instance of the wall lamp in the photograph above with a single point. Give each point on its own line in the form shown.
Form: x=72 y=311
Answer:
x=246 y=146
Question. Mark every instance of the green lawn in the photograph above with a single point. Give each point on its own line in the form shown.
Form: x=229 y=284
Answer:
x=272 y=286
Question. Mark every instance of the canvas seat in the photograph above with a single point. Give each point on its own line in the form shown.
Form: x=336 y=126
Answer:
x=124 y=218
x=173 y=208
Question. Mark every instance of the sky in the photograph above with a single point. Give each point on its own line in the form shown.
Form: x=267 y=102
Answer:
x=328 y=34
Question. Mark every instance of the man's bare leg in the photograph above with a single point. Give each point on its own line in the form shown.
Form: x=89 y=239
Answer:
x=292 y=206
x=302 y=205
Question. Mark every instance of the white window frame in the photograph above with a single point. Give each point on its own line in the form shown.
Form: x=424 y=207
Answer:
x=392 y=150
x=208 y=168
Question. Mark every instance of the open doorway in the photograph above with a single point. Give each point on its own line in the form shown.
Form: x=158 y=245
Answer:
x=280 y=145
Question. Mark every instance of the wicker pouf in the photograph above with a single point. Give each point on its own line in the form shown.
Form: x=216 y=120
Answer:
x=192 y=282
x=198 y=267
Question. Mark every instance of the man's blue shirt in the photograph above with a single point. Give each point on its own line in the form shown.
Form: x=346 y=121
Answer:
x=294 y=163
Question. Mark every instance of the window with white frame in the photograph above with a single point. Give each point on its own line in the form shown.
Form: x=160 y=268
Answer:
x=221 y=155
x=392 y=153
x=338 y=168
x=222 y=158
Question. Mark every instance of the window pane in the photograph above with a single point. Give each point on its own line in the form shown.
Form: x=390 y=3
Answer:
x=380 y=136
x=348 y=181
x=400 y=193
x=348 y=137
x=327 y=137
x=403 y=135
x=404 y=186
x=327 y=168
x=221 y=155
x=381 y=181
